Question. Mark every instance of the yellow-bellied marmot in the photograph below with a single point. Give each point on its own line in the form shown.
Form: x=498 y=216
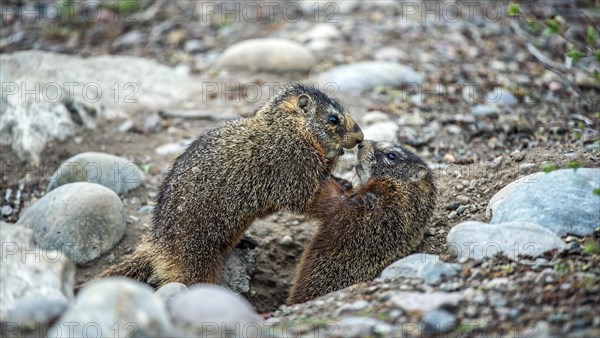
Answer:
x=367 y=228
x=235 y=173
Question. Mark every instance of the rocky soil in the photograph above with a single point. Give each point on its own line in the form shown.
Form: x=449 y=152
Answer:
x=466 y=94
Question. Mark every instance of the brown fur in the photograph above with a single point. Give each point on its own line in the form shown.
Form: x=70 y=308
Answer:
x=367 y=228
x=235 y=173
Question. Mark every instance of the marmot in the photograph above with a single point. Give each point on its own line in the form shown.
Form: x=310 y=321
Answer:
x=231 y=175
x=366 y=228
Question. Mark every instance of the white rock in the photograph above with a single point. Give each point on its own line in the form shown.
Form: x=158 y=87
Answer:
x=173 y=148
x=49 y=96
x=382 y=131
x=366 y=75
x=374 y=117
x=271 y=55
x=478 y=240
x=29 y=272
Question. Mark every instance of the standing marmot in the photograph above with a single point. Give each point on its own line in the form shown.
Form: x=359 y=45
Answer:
x=235 y=173
x=365 y=229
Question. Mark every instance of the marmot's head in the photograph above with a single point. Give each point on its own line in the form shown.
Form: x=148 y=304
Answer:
x=382 y=159
x=326 y=118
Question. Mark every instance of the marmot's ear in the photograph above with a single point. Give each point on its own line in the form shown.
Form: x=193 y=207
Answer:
x=418 y=172
x=304 y=103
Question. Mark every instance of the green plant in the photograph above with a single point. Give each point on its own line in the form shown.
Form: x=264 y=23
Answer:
x=574 y=165
x=549 y=167
x=577 y=47
x=591 y=247
x=67 y=8
x=127 y=6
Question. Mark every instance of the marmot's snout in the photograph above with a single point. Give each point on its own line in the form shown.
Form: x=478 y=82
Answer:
x=354 y=134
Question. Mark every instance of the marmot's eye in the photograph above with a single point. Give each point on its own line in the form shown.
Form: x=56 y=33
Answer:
x=391 y=156
x=334 y=119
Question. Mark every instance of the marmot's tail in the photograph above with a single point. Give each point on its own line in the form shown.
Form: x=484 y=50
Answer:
x=136 y=266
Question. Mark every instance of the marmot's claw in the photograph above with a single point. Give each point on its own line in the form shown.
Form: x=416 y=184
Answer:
x=247 y=242
x=344 y=183
x=366 y=200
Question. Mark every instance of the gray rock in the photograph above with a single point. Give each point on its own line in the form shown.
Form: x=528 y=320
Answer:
x=71 y=93
x=206 y=305
x=353 y=307
x=363 y=327
x=416 y=301
x=173 y=148
x=439 y=321
x=478 y=240
x=116 y=173
x=410 y=266
x=83 y=220
x=501 y=96
x=373 y=117
x=194 y=46
x=126 y=126
x=389 y=54
x=526 y=168
x=168 y=292
x=320 y=36
x=31 y=274
x=271 y=55
x=486 y=109
x=129 y=39
x=366 y=75
x=434 y=272
x=30 y=312
x=507 y=190
x=153 y=123
x=561 y=201
x=386 y=131
x=28 y=125
x=146 y=209
x=115 y=307
x=238 y=265
x=328 y=6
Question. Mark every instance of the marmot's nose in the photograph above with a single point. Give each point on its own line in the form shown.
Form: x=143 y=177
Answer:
x=360 y=145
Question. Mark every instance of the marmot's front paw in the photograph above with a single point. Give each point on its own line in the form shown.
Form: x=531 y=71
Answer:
x=344 y=183
x=366 y=200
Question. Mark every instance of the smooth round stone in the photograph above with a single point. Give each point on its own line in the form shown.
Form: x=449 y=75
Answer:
x=205 y=304
x=115 y=307
x=386 y=131
x=439 y=321
x=271 y=55
x=363 y=327
x=563 y=201
x=83 y=220
x=366 y=75
x=168 y=292
x=116 y=173
x=410 y=266
x=478 y=240
x=38 y=311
